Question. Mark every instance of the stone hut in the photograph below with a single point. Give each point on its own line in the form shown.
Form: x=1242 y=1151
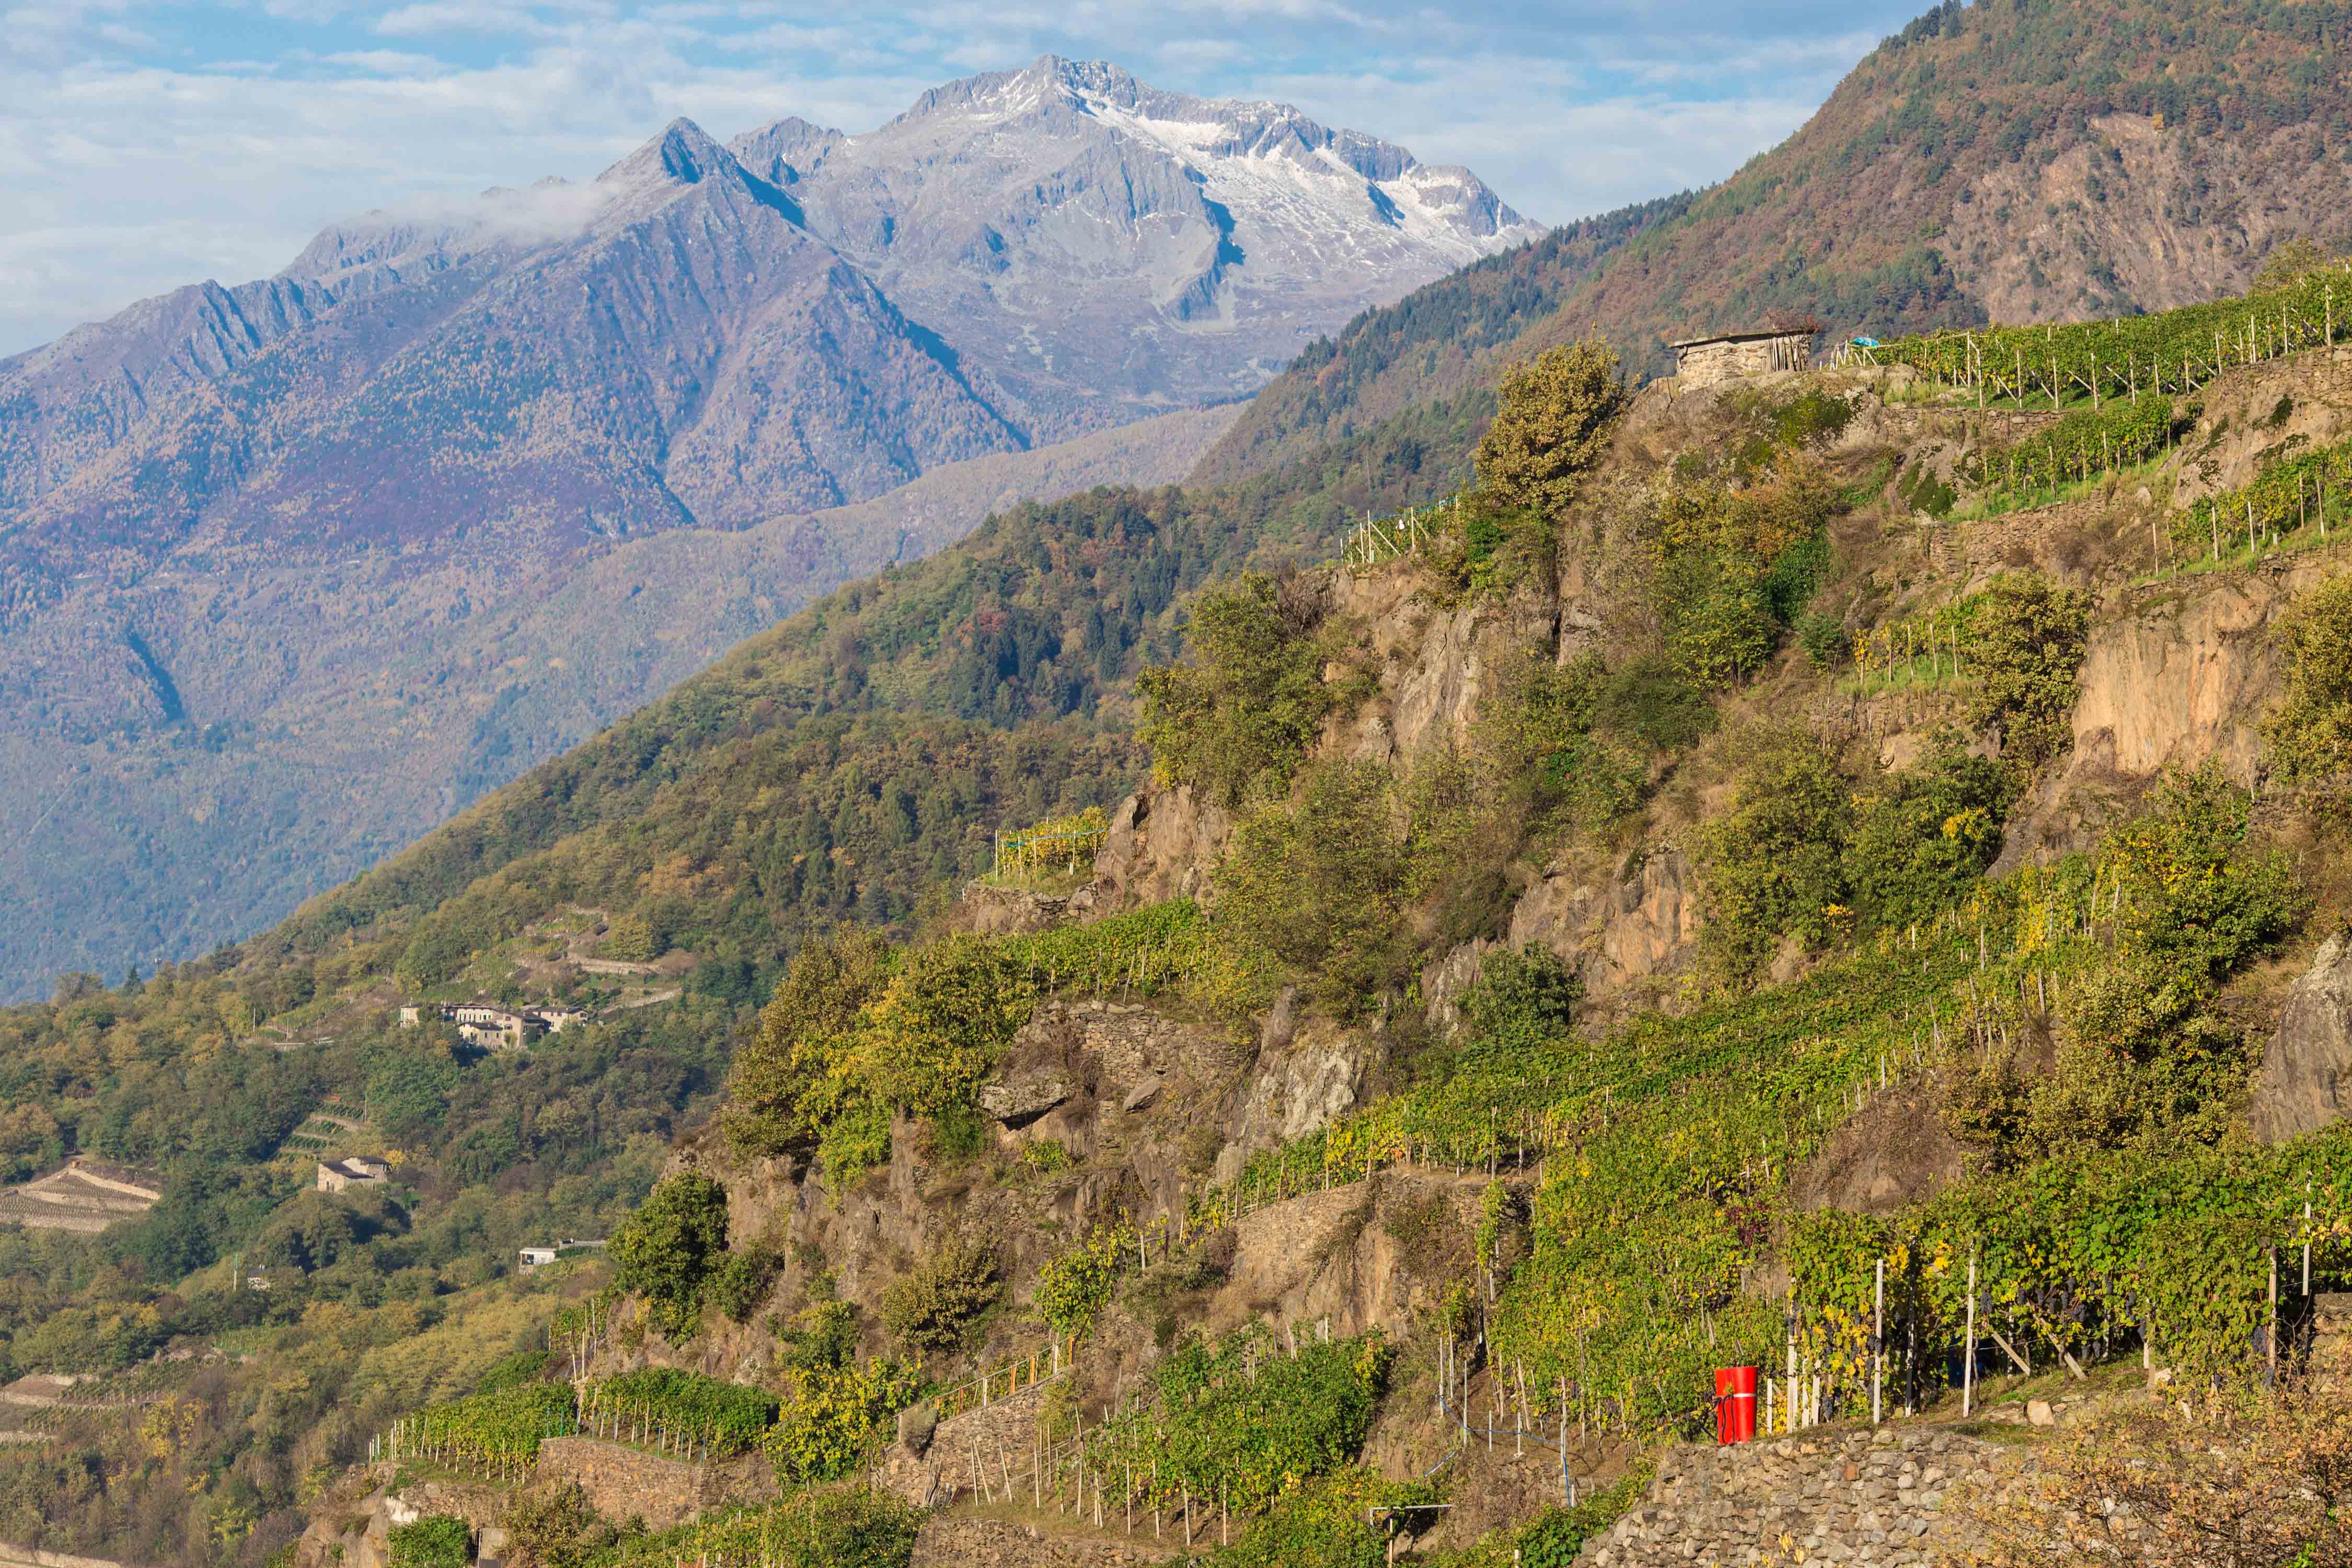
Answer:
x=341 y=1175
x=1710 y=362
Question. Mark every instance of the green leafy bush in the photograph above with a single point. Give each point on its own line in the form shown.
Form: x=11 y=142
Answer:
x=669 y=1250
x=930 y=1305
x=437 y=1541
x=1318 y=884
x=783 y=1089
x=1553 y=422
x=2310 y=731
x=1242 y=715
x=741 y=1281
x=1074 y=1288
x=1523 y=995
x=1824 y=639
x=2192 y=900
x=1775 y=862
x=2029 y=646
x=836 y=1419
x=1919 y=837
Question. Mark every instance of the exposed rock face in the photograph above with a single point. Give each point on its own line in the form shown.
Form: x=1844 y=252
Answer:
x=1435 y=664
x=1641 y=925
x=983 y=909
x=1162 y=844
x=1296 y=1087
x=1898 y=1151
x=1024 y=1099
x=2178 y=683
x=2307 y=1079
x=2182 y=678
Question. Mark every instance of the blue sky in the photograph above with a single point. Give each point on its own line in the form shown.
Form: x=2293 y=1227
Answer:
x=144 y=145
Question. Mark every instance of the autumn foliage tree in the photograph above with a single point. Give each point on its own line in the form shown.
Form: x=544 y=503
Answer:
x=1556 y=414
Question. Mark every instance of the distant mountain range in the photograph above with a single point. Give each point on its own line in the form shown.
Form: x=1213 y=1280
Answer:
x=281 y=563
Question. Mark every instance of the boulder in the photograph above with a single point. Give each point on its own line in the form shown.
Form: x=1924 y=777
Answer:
x=2307 y=1079
x=1021 y=1100
x=917 y=1422
x=1141 y=1095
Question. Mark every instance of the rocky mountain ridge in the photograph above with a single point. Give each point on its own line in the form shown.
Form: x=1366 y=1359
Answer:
x=338 y=502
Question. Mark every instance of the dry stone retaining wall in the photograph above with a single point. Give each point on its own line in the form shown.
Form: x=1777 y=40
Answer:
x=621 y=1481
x=1808 y=1502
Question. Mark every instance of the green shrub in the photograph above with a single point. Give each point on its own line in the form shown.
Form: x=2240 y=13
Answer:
x=1523 y=995
x=2028 y=647
x=1824 y=639
x=781 y=1092
x=437 y=1541
x=557 y=1528
x=1045 y=1157
x=2310 y=731
x=1074 y=1288
x=1318 y=884
x=669 y=1250
x=742 y=1279
x=1242 y=715
x=631 y=939
x=937 y=1030
x=821 y=1336
x=2193 y=901
x=1774 y=864
x=930 y=1307
x=1552 y=423
x=1919 y=837
x=836 y=1419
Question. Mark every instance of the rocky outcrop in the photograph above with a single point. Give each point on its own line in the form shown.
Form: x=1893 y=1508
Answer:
x=2177 y=681
x=2180 y=675
x=2307 y=1079
x=1026 y=1098
x=983 y=909
x=1162 y=844
x=1639 y=926
x=1298 y=1087
x=1897 y=1151
x=1434 y=663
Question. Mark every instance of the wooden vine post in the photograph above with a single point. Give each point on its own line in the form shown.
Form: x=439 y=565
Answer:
x=1969 y=1355
x=1878 y=1344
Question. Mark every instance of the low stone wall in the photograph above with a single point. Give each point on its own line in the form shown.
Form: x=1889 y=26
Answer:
x=1000 y=1435
x=621 y=1482
x=953 y=1540
x=1853 y=1497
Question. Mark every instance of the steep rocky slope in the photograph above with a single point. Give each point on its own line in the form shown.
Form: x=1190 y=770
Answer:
x=1553 y=957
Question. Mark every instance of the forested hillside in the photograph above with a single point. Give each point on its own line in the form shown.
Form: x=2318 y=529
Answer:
x=2011 y=160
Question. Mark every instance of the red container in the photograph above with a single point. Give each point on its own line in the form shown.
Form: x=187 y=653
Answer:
x=1735 y=1403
